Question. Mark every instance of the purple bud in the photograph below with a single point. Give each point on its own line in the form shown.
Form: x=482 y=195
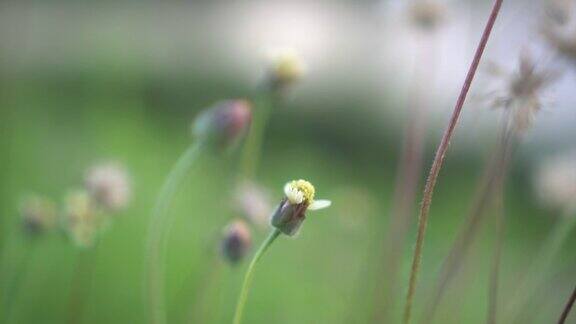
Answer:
x=289 y=217
x=236 y=242
x=224 y=124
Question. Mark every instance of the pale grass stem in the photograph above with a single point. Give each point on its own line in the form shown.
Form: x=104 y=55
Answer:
x=439 y=160
x=160 y=224
x=250 y=274
x=81 y=284
x=253 y=147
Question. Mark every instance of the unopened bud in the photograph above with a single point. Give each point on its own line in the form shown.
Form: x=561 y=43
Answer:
x=290 y=214
x=38 y=215
x=236 y=242
x=109 y=186
x=223 y=124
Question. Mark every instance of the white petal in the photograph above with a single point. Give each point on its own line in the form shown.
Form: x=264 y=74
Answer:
x=319 y=204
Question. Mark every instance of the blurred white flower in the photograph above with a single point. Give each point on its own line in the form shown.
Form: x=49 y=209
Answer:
x=38 y=214
x=82 y=220
x=284 y=67
x=559 y=28
x=556 y=181
x=253 y=201
x=109 y=185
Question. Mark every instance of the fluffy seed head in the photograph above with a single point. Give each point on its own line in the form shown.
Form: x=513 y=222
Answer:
x=38 y=215
x=236 y=241
x=556 y=181
x=223 y=124
x=109 y=186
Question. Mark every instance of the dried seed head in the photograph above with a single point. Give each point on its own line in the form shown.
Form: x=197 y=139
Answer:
x=109 y=186
x=253 y=202
x=299 y=197
x=38 y=215
x=556 y=181
x=82 y=220
x=224 y=124
x=427 y=14
x=559 y=28
x=520 y=91
x=285 y=67
x=236 y=242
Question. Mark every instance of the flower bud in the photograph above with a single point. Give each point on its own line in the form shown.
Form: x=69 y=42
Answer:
x=82 y=220
x=290 y=214
x=223 y=124
x=285 y=67
x=236 y=242
x=109 y=186
x=38 y=215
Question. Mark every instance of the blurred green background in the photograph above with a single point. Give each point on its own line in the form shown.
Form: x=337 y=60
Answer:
x=83 y=92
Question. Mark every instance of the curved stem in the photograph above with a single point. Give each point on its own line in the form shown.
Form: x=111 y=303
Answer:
x=538 y=269
x=253 y=146
x=439 y=160
x=159 y=225
x=250 y=274
x=568 y=307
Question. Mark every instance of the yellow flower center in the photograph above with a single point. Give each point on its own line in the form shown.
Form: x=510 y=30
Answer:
x=300 y=191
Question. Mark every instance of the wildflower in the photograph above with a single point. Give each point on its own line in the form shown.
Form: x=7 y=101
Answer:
x=520 y=92
x=556 y=181
x=109 y=186
x=299 y=197
x=83 y=221
x=427 y=14
x=223 y=124
x=236 y=241
x=253 y=202
x=285 y=67
x=38 y=215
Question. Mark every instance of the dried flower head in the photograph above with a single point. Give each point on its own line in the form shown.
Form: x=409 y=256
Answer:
x=223 y=124
x=559 y=28
x=236 y=241
x=109 y=186
x=82 y=220
x=285 y=67
x=253 y=202
x=299 y=197
x=556 y=181
x=427 y=14
x=38 y=214
x=520 y=92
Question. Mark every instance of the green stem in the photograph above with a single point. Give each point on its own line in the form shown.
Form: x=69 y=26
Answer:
x=159 y=226
x=542 y=262
x=81 y=284
x=13 y=288
x=253 y=146
x=250 y=274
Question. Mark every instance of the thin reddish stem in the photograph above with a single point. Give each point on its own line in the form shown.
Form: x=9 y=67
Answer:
x=568 y=307
x=439 y=160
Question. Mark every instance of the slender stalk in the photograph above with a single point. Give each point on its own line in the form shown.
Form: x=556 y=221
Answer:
x=406 y=185
x=159 y=225
x=492 y=177
x=81 y=284
x=439 y=160
x=250 y=274
x=11 y=293
x=253 y=146
x=568 y=307
x=541 y=263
